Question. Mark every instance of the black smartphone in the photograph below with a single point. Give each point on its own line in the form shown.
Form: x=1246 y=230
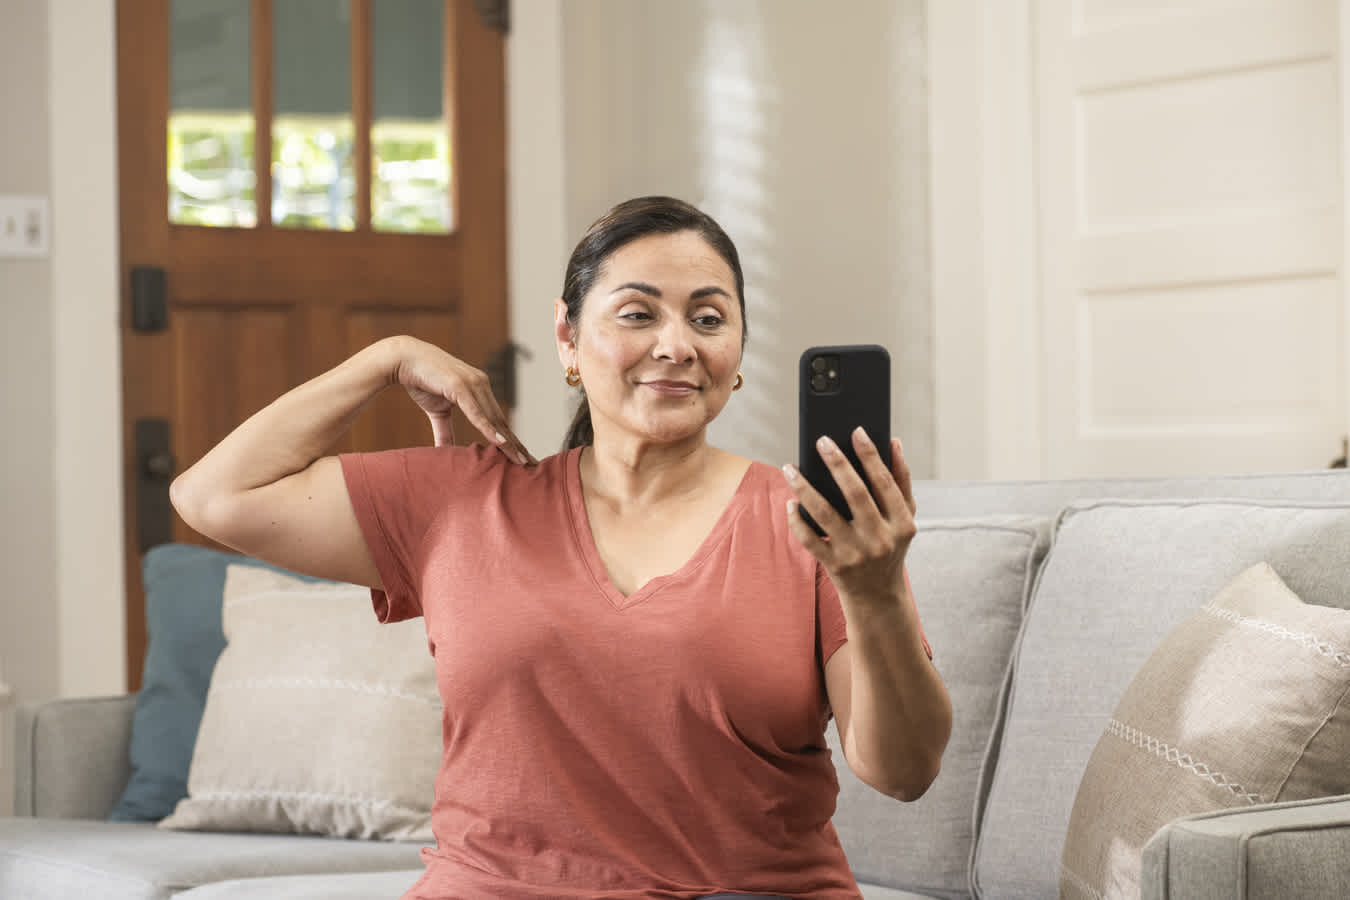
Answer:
x=838 y=389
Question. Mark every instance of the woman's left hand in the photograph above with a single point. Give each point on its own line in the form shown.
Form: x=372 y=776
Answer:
x=864 y=557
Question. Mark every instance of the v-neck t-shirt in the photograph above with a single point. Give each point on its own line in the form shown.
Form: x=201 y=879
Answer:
x=665 y=744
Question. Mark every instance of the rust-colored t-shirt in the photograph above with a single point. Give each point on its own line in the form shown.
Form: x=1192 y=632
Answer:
x=668 y=744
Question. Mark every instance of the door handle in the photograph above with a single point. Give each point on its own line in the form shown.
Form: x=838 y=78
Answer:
x=155 y=467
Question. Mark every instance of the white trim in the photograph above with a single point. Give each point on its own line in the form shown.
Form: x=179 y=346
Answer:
x=536 y=206
x=988 y=372
x=1342 y=54
x=86 y=349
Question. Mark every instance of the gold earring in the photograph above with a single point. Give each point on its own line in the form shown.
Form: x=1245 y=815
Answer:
x=572 y=376
x=740 y=382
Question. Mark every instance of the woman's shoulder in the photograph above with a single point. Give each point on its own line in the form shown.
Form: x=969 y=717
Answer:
x=464 y=462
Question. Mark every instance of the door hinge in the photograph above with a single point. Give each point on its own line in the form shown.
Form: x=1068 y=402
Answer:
x=495 y=14
x=501 y=371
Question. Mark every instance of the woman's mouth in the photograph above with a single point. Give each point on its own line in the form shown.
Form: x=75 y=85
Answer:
x=672 y=388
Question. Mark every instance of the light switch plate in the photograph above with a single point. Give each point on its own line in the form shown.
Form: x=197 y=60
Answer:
x=25 y=225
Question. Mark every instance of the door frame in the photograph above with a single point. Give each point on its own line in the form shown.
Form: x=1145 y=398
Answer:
x=988 y=360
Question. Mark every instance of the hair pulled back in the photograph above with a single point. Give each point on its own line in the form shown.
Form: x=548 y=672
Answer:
x=625 y=223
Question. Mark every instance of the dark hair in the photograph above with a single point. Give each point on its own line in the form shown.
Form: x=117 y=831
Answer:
x=623 y=224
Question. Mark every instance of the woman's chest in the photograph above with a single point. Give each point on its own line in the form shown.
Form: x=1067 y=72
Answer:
x=733 y=639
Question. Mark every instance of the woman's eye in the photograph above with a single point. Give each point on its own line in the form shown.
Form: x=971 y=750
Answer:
x=636 y=316
x=708 y=321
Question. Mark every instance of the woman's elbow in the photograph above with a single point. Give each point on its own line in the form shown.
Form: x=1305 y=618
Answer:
x=199 y=507
x=184 y=499
x=915 y=784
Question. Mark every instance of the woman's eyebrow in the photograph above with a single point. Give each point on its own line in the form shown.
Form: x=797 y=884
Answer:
x=653 y=291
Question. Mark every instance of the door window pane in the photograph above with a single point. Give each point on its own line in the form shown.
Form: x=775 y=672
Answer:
x=211 y=178
x=409 y=137
x=313 y=183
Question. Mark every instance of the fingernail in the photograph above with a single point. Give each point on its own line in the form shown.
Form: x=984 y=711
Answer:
x=790 y=471
x=861 y=432
x=825 y=445
x=500 y=438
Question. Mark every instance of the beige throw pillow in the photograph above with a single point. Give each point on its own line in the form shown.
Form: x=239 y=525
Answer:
x=318 y=720
x=1243 y=703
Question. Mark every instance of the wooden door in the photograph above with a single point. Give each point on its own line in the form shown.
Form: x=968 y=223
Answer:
x=255 y=305
x=1191 y=177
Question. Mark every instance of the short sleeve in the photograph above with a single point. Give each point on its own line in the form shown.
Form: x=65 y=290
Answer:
x=397 y=496
x=832 y=630
x=831 y=627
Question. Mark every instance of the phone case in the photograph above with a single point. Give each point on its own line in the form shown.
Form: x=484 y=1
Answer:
x=859 y=393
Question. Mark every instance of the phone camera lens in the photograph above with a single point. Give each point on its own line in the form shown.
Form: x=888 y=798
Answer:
x=819 y=382
x=818 y=364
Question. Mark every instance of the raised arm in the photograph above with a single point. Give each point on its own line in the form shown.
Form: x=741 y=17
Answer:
x=269 y=491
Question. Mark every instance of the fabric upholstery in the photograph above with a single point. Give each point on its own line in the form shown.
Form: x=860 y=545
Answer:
x=1245 y=702
x=978 y=499
x=50 y=859
x=1259 y=853
x=318 y=719
x=183 y=589
x=1118 y=577
x=378 y=886
x=71 y=756
x=971 y=579
x=359 y=886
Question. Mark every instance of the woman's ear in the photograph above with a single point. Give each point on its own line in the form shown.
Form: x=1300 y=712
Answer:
x=562 y=333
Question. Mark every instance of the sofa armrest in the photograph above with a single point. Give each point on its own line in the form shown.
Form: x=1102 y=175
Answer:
x=72 y=757
x=1281 y=850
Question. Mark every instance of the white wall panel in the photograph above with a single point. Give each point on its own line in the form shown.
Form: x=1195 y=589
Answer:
x=1240 y=143
x=1269 y=350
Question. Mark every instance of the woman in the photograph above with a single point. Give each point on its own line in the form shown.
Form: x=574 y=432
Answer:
x=638 y=641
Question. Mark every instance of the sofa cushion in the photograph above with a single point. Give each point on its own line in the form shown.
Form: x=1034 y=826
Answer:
x=380 y=886
x=183 y=589
x=1245 y=702
x=1118 y=577
x=971 y=579
x=359 y=886
x=57 y=859
x=318 y=720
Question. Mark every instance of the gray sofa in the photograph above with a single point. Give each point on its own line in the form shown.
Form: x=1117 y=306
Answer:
x=1041 y=601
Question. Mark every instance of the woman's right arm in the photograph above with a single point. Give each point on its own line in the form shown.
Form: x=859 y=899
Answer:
x=268 y=491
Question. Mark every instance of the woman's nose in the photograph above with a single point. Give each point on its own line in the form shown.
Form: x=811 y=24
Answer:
x=673 y=342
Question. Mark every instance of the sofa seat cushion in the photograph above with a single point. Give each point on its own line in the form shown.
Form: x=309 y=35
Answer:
x=1119 y=576
x=358 y=886
x=56 y=859
x=383 y=886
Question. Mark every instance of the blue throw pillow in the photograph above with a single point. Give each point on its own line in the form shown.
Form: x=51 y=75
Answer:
x=184 y=588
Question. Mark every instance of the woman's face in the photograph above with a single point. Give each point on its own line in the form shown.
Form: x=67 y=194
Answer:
x=658 y=343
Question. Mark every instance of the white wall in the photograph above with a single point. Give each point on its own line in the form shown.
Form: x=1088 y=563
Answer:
x=803 y=129
x=29 y=615
x=60 y=482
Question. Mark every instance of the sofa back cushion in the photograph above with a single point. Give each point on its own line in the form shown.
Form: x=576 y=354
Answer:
x=971 y=581
x=1119 y=576
x=184 y=585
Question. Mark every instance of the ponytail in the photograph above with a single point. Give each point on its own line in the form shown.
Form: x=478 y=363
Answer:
x=580 y=433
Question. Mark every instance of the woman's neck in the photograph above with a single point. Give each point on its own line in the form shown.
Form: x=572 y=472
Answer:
x=638 y=473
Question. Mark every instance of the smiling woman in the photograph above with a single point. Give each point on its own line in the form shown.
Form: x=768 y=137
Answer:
x=638 y=642
x=622 y=241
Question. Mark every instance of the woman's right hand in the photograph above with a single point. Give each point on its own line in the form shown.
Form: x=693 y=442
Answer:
x=439 y=382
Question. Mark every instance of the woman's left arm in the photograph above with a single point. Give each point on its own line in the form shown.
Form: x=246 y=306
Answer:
x=890 y=705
